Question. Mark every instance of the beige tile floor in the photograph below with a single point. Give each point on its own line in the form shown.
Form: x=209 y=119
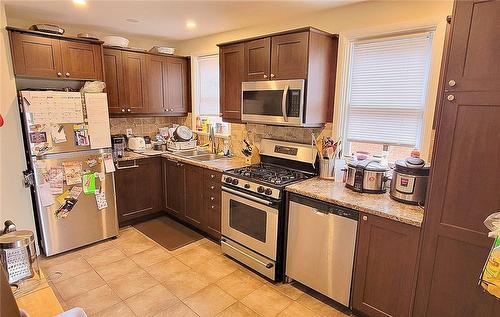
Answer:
x=134 y=276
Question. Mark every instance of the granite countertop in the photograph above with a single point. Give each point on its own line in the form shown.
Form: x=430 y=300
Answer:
x=220 y=165
x=377 y=204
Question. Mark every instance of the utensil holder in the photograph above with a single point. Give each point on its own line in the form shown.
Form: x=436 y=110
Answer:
x=327 y=168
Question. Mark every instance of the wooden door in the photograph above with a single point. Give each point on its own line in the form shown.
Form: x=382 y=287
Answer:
x=384 y=272
x=289 y=56
x=194 y=196
x=156 y=84
x=464 y=182
x=475 y=46
x=35 y=56
x=176 y=188
x=175 y=73
x=137 y=188
x=134 y=81
x=231 y=61
x=258 y=59
x=81 y=60
x=113 y=71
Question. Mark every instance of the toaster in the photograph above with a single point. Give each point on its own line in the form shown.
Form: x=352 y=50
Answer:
x=136 y=143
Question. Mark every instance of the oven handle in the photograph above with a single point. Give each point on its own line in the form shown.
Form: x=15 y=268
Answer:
x=256 y=199
x=283 y=103
x=268 y=265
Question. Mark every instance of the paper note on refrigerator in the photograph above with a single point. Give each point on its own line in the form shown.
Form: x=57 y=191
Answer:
x=109 y=166
x=57 y=132
x=100 y=198
x=46 y=196
x=89 y=183
x=56 y=179
x=98 y=120
x=73 y=172
x=48 y=107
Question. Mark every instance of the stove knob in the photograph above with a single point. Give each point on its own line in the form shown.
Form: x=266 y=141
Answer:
x=235 y=182
x=268 y=191
x=260 y=189
x=228 y=180
x=247 y=186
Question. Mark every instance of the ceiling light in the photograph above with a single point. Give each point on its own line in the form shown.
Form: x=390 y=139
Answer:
x=190 y=24
x=80 y=3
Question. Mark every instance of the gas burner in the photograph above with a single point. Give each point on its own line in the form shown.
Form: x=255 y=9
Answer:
x=268 y=173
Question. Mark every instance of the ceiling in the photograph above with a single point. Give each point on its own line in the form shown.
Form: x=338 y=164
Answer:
x=166 y=19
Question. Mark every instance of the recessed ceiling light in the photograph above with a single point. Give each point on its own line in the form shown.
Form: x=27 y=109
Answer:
x=80 y=3
x=190 y=24
x=132 y=20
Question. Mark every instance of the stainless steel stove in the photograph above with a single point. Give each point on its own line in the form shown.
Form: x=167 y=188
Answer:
x=253 y=205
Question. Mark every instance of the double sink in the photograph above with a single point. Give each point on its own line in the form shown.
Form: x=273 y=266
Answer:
x=198 y=155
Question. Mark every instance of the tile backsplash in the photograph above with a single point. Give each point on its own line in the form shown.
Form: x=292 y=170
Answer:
x=143 y=126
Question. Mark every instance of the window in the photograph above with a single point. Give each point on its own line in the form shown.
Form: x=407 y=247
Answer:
x=387 y=92
x=208 y=85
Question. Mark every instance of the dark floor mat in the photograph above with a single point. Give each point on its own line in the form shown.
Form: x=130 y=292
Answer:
x=167 y=232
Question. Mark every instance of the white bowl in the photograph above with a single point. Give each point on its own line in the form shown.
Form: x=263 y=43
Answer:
x=115 y=41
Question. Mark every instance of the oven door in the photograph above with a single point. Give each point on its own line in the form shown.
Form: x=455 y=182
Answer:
x=250 y=221
x=273 y=102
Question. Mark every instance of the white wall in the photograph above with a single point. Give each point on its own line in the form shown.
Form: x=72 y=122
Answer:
x=15 y=200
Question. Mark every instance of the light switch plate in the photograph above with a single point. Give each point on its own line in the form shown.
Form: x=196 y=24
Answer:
x=129 y=132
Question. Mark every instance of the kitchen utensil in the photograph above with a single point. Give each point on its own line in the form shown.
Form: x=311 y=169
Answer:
x=326 y=168
x=180 y=146
x=136 y=143
x=366 y=176
x=115 y=41
x=409 y=181
x=47 y=28
x=247 y=150
x=18 y=255
x=183 y=133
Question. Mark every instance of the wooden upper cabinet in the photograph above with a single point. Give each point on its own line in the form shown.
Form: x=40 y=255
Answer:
x=473 y=56
x=156 y=83
x=175 y=73
x=231 y=65
x=289 y=56
x=384 y=272
x=134 y=81
x=113 y=69
x=36 y=56
x=258 y=59
x=81 y=60
x=48 y=57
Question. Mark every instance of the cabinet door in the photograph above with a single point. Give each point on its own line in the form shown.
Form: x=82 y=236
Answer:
x=35 y=56
x=258 y=59
x=384 y=273
x=175 y=73
x=176 y=188
x=231 y=61
x=474 y=51
x=157 y=84
x=113 y=71
x=137 y=188
x=134 y=81
x=194 y=196
x=289 y=56
x=81 y=60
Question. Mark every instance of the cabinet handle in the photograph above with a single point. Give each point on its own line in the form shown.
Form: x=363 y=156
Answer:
x=212 y=198
x=212 y=175
x=129 y=110
x=450 y=97
x=59 y=74
x=265 y=76
x=221 y=114
x=123 y=110
x=272 y=75
x=213 y=207
x=212 y=187
x=365 y=218
x=452 y=83
x=171 y=109
x=67 y=74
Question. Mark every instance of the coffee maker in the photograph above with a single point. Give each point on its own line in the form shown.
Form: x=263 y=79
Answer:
x=119 y=143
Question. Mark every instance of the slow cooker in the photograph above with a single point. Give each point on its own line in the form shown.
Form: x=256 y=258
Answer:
x=367 y=176
x=409 y=181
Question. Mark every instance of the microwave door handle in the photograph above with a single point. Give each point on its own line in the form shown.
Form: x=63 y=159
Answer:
x=283 y=103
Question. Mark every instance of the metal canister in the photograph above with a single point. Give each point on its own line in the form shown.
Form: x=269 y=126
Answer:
x=18 y=255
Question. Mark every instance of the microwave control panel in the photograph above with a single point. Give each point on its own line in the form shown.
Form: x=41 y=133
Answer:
x=293 y=103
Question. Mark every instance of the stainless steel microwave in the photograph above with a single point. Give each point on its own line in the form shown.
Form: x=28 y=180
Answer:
x=279 y=102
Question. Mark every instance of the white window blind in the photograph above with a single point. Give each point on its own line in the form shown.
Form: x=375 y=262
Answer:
x=387 y=89
x=208 y=85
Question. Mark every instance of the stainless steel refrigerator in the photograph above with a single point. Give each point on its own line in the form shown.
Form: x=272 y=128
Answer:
x=70 y=168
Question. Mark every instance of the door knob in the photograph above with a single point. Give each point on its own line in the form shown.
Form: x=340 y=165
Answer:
x=365 y=218
x=450 y=97
x=67 y=74
x=452 y=83
x=272 y=75
x=265 y=76
x=171 y=109
x=59 y=74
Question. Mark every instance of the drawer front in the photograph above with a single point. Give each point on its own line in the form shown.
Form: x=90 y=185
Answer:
x=212 y=198
x=211 y=175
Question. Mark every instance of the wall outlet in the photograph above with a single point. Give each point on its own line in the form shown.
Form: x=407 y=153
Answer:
x=129 y=132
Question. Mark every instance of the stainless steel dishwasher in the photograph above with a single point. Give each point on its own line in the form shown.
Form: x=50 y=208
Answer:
x=321 y=242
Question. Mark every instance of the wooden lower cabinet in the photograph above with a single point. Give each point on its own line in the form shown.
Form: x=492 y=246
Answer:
x=194 y=196
x=385 y=268
x=174 y=187
x=138 y=189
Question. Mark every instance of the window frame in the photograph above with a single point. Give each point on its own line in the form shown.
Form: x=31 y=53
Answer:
x=345 y=79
